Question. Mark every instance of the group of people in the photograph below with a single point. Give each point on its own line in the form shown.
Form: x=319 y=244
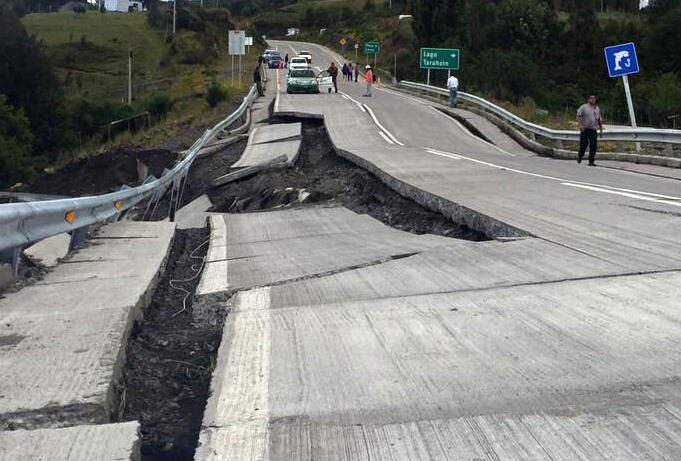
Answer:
x=351 y=73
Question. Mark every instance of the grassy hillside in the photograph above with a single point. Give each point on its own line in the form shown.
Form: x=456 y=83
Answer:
x=90 y=51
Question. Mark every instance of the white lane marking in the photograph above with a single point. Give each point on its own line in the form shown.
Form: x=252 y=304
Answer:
x=385 y=137
x=359 y=104
x=240 y=402
x=276 y=97
x=378 y=124
x=465 y=130
x=624 y=194
x=443 y=154
x=649 y=196
x=345 y=96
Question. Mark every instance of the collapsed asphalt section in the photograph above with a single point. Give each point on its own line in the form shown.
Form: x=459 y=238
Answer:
x=319 y=176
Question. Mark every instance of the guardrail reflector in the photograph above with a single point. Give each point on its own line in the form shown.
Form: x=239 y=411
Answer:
x=70 y=216
x=118 y=204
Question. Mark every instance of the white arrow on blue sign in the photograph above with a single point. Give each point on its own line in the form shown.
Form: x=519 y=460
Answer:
x=621 y=59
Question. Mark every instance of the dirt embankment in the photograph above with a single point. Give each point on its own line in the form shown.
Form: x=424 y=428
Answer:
x=103 y=173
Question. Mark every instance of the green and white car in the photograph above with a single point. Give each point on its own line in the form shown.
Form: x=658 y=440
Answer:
x=302 y=81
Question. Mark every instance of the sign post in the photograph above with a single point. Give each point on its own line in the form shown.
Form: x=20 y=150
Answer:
x=237 y=46
x=622 y=61
x=439 y=59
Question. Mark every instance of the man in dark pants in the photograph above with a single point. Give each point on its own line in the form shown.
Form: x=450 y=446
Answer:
x=589 y=120
x=257 y=79
x=333 y=72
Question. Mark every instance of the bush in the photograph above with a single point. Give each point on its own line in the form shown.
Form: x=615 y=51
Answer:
x=215 y=93
x=15 y=145
x=159 y=104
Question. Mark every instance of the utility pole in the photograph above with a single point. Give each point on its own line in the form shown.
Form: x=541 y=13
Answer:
x=174 y=15
x=129 y=75
x=395 y=70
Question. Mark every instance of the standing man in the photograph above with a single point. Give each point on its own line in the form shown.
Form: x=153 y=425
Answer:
x=589 y=120
x=286 y=61
x=356 y=72
x=333 y=72
x=369 y=78
x=257 y=79
x=453 y=87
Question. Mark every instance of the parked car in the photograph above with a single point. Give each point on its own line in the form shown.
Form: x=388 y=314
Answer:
x=298 y=63
x=307 y=55
x=275 y=60
x=266 y=55
x=302 y=81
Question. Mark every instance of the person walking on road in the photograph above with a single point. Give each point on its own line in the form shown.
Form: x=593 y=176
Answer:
x=257 y=79
x=589 y=120
x=333 y=72
x=344 y=70
x=356 y=72
x=286 y=61
x=369 y=78
x=350 y=70
x=453 y=87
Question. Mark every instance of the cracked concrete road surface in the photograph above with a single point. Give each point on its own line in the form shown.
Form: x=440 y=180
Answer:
x=347 y=339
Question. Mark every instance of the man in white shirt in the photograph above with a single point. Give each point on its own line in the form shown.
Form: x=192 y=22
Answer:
x=453 y=87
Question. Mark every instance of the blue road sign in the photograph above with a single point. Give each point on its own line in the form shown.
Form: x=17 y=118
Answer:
x=621 y=59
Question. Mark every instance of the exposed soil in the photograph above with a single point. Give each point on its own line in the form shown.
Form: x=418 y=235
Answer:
x=170 y=359
x=202 y=171
x=103 y=173
x=321 y=176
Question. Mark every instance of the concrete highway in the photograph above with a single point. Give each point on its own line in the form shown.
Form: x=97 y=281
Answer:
x=349 y=340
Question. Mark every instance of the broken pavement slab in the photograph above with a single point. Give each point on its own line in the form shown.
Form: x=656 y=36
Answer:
x=65 y=337
x=106 y=442
x=268 y=248
x=277 y=132
x=50 y=250
x=561 y=370
x=456 y=266
x=194 y=213
x=263 y=153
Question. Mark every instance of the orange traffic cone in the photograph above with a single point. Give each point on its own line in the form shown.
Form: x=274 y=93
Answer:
x=378 y=79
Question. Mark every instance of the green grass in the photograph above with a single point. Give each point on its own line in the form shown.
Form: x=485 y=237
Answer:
x=93 y=47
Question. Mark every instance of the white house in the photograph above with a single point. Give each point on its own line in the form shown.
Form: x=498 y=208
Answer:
x=123 y=6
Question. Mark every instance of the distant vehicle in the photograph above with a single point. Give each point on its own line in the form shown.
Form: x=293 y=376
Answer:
x=274 y=60
x=298 y=63
x=307 y=55
x=266 y=55
x=302 y=81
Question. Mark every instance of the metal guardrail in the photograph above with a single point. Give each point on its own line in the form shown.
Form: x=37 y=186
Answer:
x=654 y=135
x=24 y=223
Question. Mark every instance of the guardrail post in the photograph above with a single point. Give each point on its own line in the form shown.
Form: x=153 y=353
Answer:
x=78 y=236
x=559 y=143
x=11 y=257
x=668 y=149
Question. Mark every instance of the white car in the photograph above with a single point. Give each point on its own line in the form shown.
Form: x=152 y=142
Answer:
x=307 y=55
x=298 y=63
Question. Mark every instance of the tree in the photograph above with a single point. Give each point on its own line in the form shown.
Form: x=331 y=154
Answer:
x=15 y=145
x=27 y=80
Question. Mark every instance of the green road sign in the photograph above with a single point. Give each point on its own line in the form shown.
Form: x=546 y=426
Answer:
x=440 y=58
x=372 y=47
